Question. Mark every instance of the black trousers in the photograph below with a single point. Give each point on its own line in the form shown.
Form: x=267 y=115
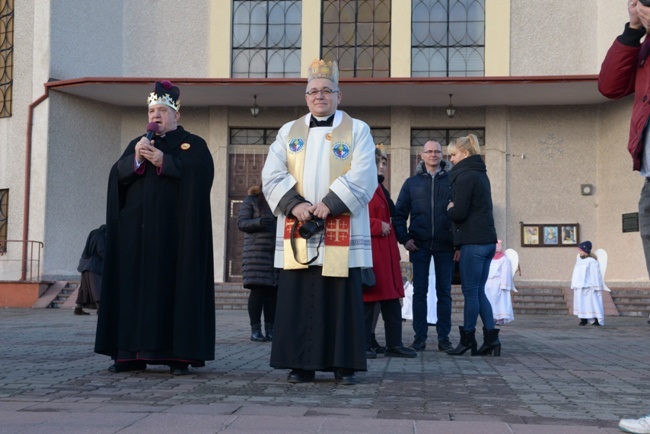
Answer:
x=262 y=299
x=391 y=312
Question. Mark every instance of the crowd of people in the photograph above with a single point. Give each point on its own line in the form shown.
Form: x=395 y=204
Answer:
x=321 y=256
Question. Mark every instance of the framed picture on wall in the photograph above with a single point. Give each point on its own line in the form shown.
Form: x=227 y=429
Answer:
x=569 y=235
x=550 y=234
x=529 y=235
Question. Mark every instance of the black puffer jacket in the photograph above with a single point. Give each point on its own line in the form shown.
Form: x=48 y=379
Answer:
x=258 y=222
x=473 y=221
x=425 y=199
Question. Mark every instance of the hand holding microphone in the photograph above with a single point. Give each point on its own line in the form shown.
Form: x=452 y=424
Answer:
x=145 y=149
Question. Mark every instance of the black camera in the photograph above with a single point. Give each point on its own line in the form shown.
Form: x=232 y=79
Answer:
x=311 y=227
x=645 y=2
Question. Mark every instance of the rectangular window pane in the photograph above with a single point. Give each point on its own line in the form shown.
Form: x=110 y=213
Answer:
x=357 y=35
x=266 y=38
x=448 y=38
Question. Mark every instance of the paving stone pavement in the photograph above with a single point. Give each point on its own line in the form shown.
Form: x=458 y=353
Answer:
x=552 y=377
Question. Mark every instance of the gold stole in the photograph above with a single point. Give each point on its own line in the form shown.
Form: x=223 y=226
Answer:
x=336 y=251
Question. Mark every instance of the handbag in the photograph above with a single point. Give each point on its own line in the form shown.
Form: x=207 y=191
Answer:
x=368 y=277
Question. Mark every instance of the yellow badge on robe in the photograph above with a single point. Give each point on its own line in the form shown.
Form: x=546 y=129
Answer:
x=185 y=146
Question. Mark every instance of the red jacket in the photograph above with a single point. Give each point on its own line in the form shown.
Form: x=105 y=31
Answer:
x=385 y=254
x=623 y=72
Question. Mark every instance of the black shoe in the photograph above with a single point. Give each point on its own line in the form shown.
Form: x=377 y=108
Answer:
x=134 y=365
x=371 y=354
x=268 y=328
x=445 y=345
x=300 y=376
x=596 y=323
x=80 y=311
x=583 y=322
x=345 y=377
x=401 y=351
x=175 y=370
x=256 y=333
x=418 y=345
x=375 y=345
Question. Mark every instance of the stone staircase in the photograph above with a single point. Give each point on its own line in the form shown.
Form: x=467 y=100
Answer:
x=528 y=300
x=632 y=302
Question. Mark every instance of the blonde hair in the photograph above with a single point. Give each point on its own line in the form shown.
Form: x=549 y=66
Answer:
x=469 y=144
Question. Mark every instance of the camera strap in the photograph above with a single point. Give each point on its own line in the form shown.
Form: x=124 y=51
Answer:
x=293 y=244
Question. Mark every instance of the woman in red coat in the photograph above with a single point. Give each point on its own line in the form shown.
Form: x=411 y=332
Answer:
x=385 y=259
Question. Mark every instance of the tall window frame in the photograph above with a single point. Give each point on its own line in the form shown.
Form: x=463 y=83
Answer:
x=356 y=33
x=266 y=38
x=6 y=57
x=448 y=38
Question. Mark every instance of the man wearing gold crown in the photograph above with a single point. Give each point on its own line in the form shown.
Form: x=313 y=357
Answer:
x=321 y=168
x=158 y=281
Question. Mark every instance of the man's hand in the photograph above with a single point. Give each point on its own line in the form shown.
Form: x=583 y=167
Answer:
x=301 y=211
x=410 y=246
x=639 y=14
x=457 y=256
x=145 y=150
x=320 y=210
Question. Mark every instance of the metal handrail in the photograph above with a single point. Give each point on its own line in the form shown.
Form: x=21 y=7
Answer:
x=27 y=265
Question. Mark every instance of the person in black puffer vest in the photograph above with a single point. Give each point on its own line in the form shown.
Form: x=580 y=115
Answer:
x=260 y=276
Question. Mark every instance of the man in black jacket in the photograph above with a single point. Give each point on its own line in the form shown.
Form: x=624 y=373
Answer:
x=425 y=196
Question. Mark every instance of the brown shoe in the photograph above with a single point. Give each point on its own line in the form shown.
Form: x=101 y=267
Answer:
x=80 y=311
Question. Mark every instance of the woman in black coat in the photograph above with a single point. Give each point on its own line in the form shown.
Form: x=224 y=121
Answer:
x=474 y=234
x=260 y=276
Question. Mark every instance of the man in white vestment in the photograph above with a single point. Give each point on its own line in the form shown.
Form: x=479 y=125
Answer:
x=318 y=178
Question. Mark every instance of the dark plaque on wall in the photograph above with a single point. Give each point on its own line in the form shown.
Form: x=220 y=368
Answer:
x=631 y=222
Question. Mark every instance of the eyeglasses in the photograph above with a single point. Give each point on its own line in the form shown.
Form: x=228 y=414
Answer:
x=325 y=92
x=431 y=152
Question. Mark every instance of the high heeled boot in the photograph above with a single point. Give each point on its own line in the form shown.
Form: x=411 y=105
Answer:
x=268 y=328
x=467 y=341
x=256 y=333
x=491 y=344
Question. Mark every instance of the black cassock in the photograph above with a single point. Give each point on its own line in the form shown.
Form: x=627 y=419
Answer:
x=157 y=300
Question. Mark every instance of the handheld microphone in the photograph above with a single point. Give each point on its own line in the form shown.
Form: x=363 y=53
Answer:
x=152 y=129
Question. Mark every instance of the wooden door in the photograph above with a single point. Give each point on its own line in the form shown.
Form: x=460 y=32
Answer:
x=245 y=170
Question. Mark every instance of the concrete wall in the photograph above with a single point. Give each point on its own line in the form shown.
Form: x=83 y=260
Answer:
x=87 y=39
x=164 y=38
x=83 y=144
x=554 y=37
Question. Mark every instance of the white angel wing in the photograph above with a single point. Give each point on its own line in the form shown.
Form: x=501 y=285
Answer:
x=601 y=255
x=514 y=264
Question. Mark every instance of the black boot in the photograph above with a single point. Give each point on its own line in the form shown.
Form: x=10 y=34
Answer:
x=467 y=341
x=491 y=344
x=256 y=333
x=268 y=328
x=375 y=345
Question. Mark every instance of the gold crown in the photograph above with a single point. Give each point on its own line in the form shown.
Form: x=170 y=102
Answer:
x=165 y=99
x=322 y=69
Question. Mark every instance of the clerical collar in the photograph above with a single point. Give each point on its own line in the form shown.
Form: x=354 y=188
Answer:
x=321 y=122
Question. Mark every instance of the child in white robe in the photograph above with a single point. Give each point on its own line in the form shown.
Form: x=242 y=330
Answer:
x=587 y=285
x=499 y=286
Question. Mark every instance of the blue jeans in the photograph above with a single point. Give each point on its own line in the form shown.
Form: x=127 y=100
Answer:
x=444 y=265
x=474 y=269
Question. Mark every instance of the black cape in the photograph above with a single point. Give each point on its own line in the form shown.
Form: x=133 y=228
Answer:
x=158 y=281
